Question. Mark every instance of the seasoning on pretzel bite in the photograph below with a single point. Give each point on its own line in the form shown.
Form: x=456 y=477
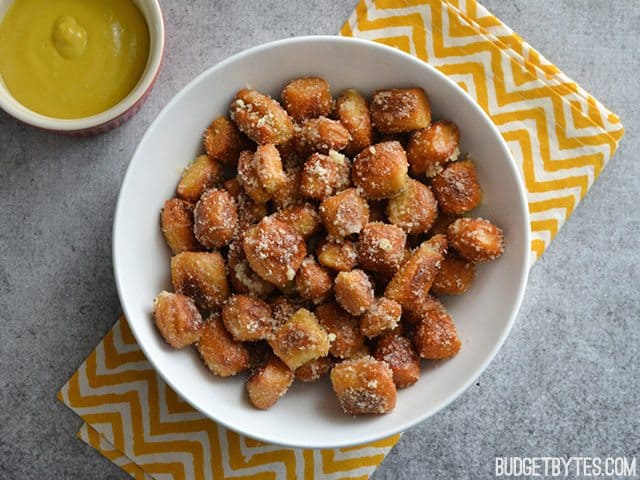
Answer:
x=215 y=219
x=242 y=277
x=400 y=110
x=269 y=168
x=436 y=336
x=321 y=135
x=219 y=351
x=398 y=352
x=274 y=250
x=380 y=171
x=381 y=247
x=303 y=218
x=177 y=319
x=354 y=291
x=314 y=369
x=289 y=193
x=201 y=276
x=325 y=175
x=364 y=386
x=342 y=327
x=249 y=212
x=353 y=112
x=282 y=308
x=432 y=148
x=268 y=383
x=224 y=142
x=411 y=284
x=307 y=97
x=383 y=315
x=457 y=188
x=300 y=340
x=203 y=173
x=415 y=209
x=476 y=239
x=313 y=281
x=455 y=276
x=344 y=213
x=247 y=319
x=261 y=118
x=176 y=220
x=341 y=256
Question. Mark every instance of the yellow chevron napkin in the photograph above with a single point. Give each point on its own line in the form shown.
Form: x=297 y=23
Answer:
x=561 y=138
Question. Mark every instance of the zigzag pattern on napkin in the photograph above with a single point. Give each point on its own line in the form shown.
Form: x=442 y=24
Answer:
x=136 y=420
x=560 y=136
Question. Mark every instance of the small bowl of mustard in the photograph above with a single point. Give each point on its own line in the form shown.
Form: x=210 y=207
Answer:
x=78 y=67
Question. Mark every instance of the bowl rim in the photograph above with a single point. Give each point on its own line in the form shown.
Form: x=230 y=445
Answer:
x=401 y=426
x=155 y=24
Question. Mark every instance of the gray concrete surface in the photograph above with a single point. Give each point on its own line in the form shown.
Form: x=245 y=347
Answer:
x=567 y=381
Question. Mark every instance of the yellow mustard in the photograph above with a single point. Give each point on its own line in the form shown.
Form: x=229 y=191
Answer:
x=72 y=58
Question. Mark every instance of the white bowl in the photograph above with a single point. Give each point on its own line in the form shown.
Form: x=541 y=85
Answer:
x=309 y=415
x=114 y=116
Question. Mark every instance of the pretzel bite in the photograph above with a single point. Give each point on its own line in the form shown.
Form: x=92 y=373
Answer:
x=314 y=369
x=476 y=239
x=415 y=209
x=303 y=218
x=429 y=150
x=176 y=220
x=308 y=97
x=344 y=213
x=269 y=168
x=289 y=155
x=342 y=327
x=215 y=219
x=354 y=291
x=249 y=212
x=274 y=251
x=247 y=319
x=248 y=178
x=457 y=188
x=268 y=383
x=353 y=112
x=224 y=142
x=382 y=316
x=203 y=173
x=381 y=247
x=321 y=135
x=219 y=351
x=380 y=171
x=261 y=118
x=455 y=276
x=338 y=256
x=325 y=175
x=436 y=336
x=400 y=110
x=313 y=281
x=300 y=340
x=243 y=279
x=398 y=352
x=201 y=276
x=411 y=284
x=364 y=386
x=289 y=193
x=177 y=319
x=282 y=308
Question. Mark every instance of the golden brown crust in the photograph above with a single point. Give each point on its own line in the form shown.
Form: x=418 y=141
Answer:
x=344 y=214
x=219 y=351
x=224 y=142
x=176 y=220
x=268 y=383
x=436 y=336
x=457 y=188
x=177 y=319
x=476 y=239
x=381 y=247
x=268 y=167
x=400 y=110
x=354 y=291
x=242 y=277
x=380 y=171
x=321 y=135
x=455 y=276
x=289 y=193
x=306 y=98
x=201 y=276
x=314 y=369
x=342 y=327
x=353 y=112
x=215 y=219
x=398 y=352
x=247 y=319
x=325 y=175
x=415 y=209
x=313 y=281
x=203 y=173
x=261 y=118
x=341 y=256
x=303 y=218
x=429 y=150
x=383 y=315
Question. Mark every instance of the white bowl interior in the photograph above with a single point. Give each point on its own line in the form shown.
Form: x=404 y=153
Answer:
x=309 y=415
x=150 y=9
